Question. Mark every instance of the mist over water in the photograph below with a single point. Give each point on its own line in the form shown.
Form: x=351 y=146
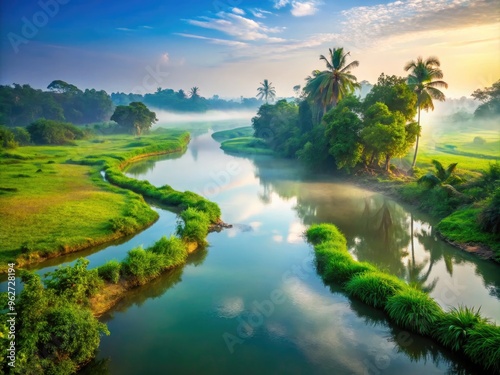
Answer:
x=168 y=118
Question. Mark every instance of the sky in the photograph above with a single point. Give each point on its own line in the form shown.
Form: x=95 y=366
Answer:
x=227 y=47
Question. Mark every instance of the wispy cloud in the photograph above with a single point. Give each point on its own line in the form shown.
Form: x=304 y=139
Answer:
x=299 y=8
x=260 y=13
x=238 y=26
x=225 y=42
x=369 y=24
x=239 y=11
x=147 y=27
x=124 y=29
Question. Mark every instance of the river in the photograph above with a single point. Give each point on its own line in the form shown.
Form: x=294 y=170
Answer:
x=252 y=302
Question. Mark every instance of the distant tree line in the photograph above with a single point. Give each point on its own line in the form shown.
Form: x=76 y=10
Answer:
x=181 y=101
x=20 y=105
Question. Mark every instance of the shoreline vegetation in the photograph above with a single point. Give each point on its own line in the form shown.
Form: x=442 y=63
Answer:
x=462 y=330
x=68 y=184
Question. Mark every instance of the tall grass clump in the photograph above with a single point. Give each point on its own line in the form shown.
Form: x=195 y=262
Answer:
x=414 y=310
x=172 y=250
x=318 y=233
x=483 y=346
x=195 y=227
x=374 y=288
x=454 y=327
x=110 y=271
x=140 y=266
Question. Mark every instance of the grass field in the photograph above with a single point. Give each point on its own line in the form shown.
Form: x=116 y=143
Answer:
x=51 y=204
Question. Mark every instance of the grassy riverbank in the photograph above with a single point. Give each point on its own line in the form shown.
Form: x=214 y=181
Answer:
x=53 y=199
x=462 y=330
x=241 y=141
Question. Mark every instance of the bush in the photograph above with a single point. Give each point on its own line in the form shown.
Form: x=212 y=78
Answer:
x=374 y=288
x=141 y=265
x=453 y=329
x=324 y=232
x=195 y=228
x=479 y=141
x=172 y=249
x=110 y=271
x=21 y=136
x=489 y=217
x=7 y=138
x=49 y=132
x=414 y=310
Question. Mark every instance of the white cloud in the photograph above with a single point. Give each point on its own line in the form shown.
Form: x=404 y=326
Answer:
x=239 y=11
x=369 y=24
x=301 y=9
x=281 y=3
x=238 y=26
x=124 y=29
x=225 y=42
x=260 y=13
x=165 y=58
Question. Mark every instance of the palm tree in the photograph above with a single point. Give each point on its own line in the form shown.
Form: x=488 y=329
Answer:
x=267 y=91
x=194 y=92
x=329 y=86
x=424 y=79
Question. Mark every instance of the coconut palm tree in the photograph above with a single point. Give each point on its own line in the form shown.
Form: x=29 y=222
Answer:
x=425 y=79
x=266 y=91
x=194 y=93
x=331 y=85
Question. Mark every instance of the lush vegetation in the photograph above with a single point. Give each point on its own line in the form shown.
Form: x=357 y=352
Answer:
x=224 y=135
x=134 y=118
x=461 y=329
x=65 y=205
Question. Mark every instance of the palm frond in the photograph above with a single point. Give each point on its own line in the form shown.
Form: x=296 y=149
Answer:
x=429 y=179
x=441 y=173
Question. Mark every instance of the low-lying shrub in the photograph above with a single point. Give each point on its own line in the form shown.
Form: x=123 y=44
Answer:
x=414 y=310
x=374 y=288
x=110 y=271
x=483 y=346
x=172 y=249
x=140 y=266
x=195 y=227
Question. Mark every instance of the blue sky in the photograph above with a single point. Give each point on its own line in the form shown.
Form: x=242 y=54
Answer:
x=227 y=47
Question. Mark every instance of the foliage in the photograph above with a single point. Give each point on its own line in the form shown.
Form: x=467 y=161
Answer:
x=440 y=176
x=490 y=98
x=74 y=283
x=140 y=266
x=7 y=138
x=319 y=233
x=172 y=249
x=21 y=136
x=395 y=94
x=425 y=79
x=489 y=217
x=246 y=145
x=110 y=271
x=454 y=327
x=325 y=88
x=374 y=288
x=135 y=117
x=414 y=310
x=483 y=346
x=266 y=91
x=343 y=127
x=49 y=132
x=195 y=227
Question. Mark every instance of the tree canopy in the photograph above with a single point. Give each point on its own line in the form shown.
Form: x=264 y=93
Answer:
x=490 y=98
x=135 y=117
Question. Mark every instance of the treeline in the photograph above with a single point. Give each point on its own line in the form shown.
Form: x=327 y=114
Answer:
x=171 y=100
x=353 y=132
x=20 y=105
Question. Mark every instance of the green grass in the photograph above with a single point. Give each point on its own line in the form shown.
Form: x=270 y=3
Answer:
x=54 y=200
x=246 y=145
x=463 y=329
x=414 y=310
x=224 y=135
x=462 y=226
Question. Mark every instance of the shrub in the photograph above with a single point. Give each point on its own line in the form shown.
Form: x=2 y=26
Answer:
x=125 y=225
x=7 y=138
x=453 y=329
x=195 y=228
x=141 y=265
x=479 y=140
x=414 y=310
x=110 y=271
x=489 y=217
x=483 y=346
x=21 y=136
x=324 y=232
x=49 y=132
x=374 y=288
x=172 y=249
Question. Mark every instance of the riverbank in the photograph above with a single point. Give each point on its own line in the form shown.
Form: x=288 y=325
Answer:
x=54 y=200
x=462 y=330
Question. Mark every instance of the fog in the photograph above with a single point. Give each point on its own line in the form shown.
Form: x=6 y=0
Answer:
x=169 y=119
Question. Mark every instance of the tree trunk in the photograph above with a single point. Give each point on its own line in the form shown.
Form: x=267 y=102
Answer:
x=387 y=162
x=416 y=144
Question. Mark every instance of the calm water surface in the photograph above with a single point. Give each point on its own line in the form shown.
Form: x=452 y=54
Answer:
x=252 y=302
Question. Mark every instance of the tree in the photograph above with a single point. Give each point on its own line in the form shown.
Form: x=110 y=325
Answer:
x=331 y=85
x=386 y=133
x=135 y=117
x=424 y=80
x=194 y=93
x=490 y=98
x=63 y=87
x=343 y=127
x=266 y=91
